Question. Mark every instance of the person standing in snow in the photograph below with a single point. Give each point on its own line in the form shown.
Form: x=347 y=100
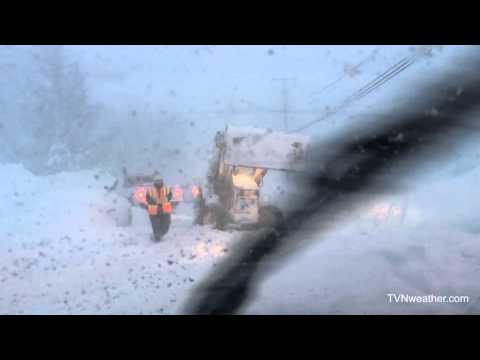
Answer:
x=159 y=208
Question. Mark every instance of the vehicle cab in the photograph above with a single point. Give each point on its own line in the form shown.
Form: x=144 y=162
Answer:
x=245 y=196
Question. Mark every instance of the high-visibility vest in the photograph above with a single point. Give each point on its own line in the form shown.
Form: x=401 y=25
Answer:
x=160 y=198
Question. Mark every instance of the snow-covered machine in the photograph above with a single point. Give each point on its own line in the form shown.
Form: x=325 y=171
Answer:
x=243 y=157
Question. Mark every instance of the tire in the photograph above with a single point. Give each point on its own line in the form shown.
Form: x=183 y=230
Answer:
x=208 y=217
x=215 y=216
x=160 y=225
x=222 y=218
x=200 y=211
x=271 y=217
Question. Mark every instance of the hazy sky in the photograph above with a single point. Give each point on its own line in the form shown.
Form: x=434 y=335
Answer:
x=213 y=86
x=210 y=78
x=208 y=87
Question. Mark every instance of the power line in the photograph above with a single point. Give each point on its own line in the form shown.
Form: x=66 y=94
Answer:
x=356 y=67
x=382 y=79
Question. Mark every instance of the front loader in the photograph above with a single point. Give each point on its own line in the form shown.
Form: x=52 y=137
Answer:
x=243 y=158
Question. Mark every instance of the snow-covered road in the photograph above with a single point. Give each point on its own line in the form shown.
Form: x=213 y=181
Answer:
x=61 y=252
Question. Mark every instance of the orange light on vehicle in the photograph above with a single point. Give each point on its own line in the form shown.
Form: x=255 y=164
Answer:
x=140 y=195
x=195 y=191
x=178 y=194
x=167 y=208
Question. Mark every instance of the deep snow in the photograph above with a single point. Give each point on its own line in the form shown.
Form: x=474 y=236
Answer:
x=62 y=253
x=424 y=240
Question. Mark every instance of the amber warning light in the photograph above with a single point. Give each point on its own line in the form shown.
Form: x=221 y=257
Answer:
x=178 y=194
x=140 y=195
x=195 y=191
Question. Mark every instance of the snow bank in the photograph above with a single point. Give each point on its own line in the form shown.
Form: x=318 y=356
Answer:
x=423 y=241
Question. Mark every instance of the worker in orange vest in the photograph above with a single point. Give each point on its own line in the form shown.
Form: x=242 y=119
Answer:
x=159 y=208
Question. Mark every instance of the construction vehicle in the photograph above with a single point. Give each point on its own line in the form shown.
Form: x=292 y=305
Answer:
x=243 y=157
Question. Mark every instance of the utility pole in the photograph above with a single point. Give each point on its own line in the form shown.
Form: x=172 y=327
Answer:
x=285 y=110
x=285 y=99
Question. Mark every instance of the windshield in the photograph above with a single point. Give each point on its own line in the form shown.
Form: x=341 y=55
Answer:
x=85 y=129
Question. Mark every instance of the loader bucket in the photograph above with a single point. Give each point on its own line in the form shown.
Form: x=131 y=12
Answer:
x=266 y=149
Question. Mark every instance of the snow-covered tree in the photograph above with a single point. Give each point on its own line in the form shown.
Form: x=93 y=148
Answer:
x=65 y=118
x=13 y=89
